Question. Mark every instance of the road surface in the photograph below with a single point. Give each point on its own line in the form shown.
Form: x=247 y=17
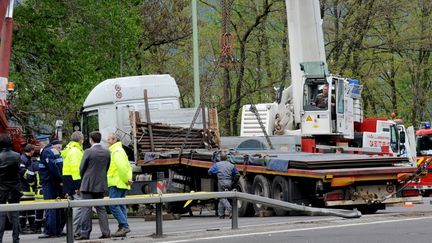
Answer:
x=395 y=224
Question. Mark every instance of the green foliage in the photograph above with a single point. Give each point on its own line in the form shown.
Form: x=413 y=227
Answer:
x=61 y=49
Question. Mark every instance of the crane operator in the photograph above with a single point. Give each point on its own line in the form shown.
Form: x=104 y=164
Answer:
x=321 y=100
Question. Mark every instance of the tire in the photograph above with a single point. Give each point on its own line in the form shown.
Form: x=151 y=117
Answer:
x=260 y=187
x=280 y=191
x=427 y=193
x=245 y=208
x=178 y=186
x=369 y=209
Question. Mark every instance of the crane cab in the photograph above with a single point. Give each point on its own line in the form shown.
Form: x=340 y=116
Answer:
x=330 y=105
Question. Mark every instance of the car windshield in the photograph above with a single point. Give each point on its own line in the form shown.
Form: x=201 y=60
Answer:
x=424 y=145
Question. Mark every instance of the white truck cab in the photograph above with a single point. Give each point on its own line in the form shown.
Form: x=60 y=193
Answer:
x=107 y=106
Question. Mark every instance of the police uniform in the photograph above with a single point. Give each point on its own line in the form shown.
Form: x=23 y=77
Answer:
x=29 y=187
x=50 y=168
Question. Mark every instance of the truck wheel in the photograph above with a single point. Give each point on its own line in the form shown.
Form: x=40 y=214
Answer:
x=260 y=187
x=370 y=209
x=427 y=193
x=245 y=208
x=280 y=191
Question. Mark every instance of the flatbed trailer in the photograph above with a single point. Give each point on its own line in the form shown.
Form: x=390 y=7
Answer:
x=367 y=187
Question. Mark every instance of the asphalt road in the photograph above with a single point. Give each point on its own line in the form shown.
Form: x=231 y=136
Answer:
x=395 y=224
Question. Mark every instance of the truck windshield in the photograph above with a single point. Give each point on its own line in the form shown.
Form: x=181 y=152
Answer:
x=89 y=124
x=394 y=138
x=424 y=145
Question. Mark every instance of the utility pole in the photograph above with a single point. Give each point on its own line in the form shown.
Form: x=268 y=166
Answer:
x=195 y=54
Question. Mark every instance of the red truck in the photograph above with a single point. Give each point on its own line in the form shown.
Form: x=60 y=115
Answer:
x=424 y=156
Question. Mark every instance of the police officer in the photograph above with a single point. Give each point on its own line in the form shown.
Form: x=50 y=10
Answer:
x=28 y=183
x=227 y=175
x=50 y=167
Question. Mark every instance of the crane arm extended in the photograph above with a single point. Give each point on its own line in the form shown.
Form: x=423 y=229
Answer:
x=6 y=26
x=306 y=43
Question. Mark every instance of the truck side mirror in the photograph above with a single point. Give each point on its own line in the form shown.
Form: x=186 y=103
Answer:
x=402 y=137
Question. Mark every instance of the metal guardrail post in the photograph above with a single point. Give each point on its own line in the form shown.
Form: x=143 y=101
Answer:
x=159 y=231
x=69 y=226
x=234 y=220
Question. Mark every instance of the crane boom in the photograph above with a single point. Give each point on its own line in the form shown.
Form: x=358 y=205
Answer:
x=306 y=43
x=6 y=26
x=3 y=7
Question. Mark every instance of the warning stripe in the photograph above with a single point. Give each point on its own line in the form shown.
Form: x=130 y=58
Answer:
x=420 y=160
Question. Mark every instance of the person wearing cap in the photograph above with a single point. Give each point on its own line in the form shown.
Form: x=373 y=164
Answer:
x=119 y=181
x=29 y=187
x=72 y=155
x=10 y=186
x=40 y=214
x=50 y=167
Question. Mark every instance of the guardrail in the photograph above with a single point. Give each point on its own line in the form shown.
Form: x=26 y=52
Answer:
x=159 y=199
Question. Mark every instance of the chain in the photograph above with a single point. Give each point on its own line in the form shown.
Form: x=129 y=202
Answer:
x=199 y=108
x=226 y=60
x=226 y=14
x=226 y=38
x=226 y=43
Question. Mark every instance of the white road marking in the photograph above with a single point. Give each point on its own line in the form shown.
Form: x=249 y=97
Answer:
x=245 y=226
x=294 y=230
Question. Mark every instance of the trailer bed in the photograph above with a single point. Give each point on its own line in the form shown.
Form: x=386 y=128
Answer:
x=389 y=168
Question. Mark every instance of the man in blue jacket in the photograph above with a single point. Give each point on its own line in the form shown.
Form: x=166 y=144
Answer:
x=50 y=167
x=228 y=176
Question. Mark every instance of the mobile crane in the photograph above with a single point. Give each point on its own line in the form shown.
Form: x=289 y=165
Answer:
x=334 y=180
x=339 y=123
x=424 y=159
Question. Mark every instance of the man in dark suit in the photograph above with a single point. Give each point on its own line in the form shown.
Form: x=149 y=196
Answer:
x=93 y=170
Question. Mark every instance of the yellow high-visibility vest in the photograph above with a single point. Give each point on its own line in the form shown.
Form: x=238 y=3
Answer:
x=120 y=170
x=72 y=156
